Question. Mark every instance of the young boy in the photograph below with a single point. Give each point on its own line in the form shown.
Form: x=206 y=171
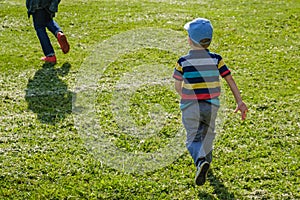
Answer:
x=197 y=82
x=42 y=12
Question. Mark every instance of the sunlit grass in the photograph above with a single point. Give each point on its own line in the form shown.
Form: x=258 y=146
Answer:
x=43 y=156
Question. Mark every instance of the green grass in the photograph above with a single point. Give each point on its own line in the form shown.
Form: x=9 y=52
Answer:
x=44 y=154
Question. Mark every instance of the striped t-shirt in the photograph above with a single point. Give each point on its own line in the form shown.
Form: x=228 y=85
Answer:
x=200 y=71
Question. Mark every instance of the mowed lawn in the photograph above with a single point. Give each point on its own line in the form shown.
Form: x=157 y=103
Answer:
x=45 y=146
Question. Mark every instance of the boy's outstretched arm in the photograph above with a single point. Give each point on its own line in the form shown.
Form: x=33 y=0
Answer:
x=241 y=106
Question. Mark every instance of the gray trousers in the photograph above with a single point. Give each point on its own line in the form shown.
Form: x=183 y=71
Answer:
x=199 y=122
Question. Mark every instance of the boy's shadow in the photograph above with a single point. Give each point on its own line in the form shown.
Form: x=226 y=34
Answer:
x=47 y=95
x=220 y=189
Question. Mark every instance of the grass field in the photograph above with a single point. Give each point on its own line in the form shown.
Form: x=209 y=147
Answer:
x=60 y=140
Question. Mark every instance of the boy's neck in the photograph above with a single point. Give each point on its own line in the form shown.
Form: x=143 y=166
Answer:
x=197 y=48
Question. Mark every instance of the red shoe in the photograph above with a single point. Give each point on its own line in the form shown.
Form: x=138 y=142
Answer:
x=49 y=59
x=63 y=42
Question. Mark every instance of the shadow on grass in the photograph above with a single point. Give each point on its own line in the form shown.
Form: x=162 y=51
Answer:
x=47 y=95
x=220 y=190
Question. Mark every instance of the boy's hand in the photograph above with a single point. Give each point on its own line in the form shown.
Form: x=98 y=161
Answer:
x=243 y=108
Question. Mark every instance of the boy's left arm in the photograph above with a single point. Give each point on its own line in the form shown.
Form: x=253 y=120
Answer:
x=241 y=106
x=178 y=87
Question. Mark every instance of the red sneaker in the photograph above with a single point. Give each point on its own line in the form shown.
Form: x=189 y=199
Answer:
x=63 y=42
x=49 y=59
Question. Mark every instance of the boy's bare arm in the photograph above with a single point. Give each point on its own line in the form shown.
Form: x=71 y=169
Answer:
x=241 y=106
x=178 y=87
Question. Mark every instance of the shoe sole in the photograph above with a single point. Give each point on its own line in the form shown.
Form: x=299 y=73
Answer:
x=201 y=174
x=64 y=45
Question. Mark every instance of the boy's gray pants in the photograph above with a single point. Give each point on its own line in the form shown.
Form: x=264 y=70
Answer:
x=199 y=122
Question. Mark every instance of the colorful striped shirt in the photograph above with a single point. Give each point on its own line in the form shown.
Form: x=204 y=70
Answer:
x=200 y=71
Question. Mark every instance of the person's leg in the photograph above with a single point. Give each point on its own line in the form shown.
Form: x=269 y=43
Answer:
x=191 y=122
x=207 y=130
x=40 y=20
x=199 y=121
x=194 y=126
x=55 y=29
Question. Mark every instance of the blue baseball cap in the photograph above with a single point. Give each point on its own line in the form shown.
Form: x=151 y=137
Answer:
x=199 y=29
